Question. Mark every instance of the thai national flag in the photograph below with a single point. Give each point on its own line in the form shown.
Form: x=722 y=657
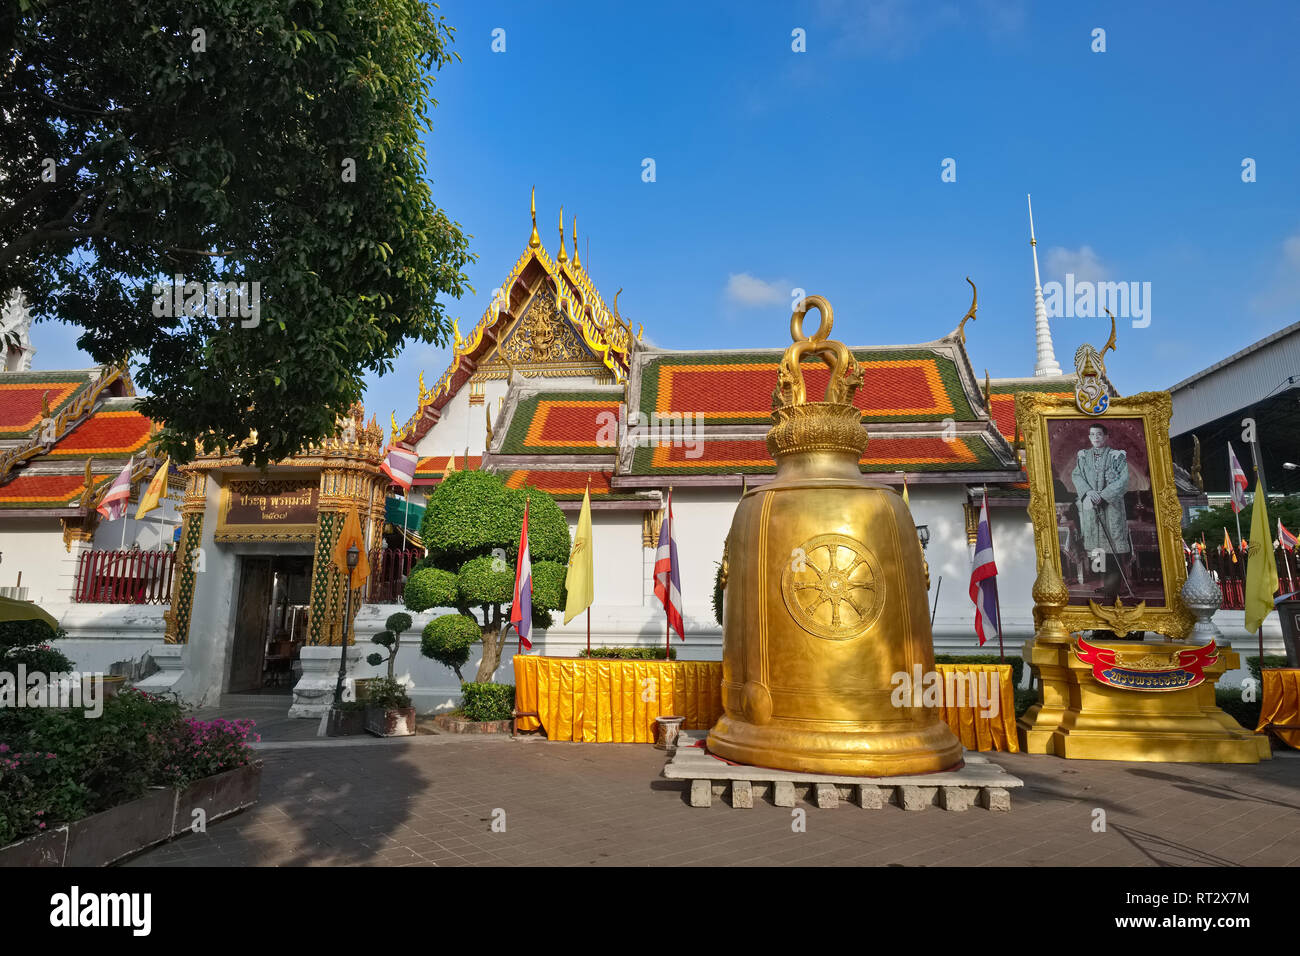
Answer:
x=1237 y=479
x=1285 y=537
x=521 y=610
x=984 y=578
x=668 y=582
x=400 y=466
x=113 y=506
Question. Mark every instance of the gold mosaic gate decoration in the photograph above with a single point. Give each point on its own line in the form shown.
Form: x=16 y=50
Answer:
x=348 y=466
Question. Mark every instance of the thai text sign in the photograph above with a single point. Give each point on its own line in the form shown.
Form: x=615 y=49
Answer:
x=269 y=508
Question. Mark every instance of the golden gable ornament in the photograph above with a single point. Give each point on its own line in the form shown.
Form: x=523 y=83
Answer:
x=825 y=596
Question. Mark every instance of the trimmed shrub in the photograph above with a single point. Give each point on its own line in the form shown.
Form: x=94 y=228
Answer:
x=628 y=653
x=548 y=583
x=717 y=593
x=447 y=639
x=478 y=583
x=430 y=587
x=487 y=701
x=1243 y=712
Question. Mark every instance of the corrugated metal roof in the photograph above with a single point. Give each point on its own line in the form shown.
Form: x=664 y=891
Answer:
x=1270 y=365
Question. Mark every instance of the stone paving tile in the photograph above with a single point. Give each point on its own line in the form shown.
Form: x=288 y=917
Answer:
x=431 y=802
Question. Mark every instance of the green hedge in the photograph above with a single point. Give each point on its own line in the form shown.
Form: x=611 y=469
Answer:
x=1244 y=712
x=1017 y=663
x=629 y=653
x=429 y=587
x=487 y=701
x=1270 y=661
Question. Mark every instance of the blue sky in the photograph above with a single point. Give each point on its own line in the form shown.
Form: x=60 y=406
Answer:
x=821 y=169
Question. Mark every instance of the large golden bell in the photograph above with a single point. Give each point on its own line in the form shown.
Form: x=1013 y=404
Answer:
x=825 y=597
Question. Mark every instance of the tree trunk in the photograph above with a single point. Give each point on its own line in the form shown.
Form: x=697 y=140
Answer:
x=492 y=642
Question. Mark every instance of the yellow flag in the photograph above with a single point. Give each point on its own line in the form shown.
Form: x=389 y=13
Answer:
x=451 y=465
x=152 y=498
x=906 y=500
x=1227 y=546
x=1261 y=569
x=579 y=580
x=352 y=535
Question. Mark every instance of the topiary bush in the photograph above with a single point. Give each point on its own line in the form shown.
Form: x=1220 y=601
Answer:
x=429 y=587
x=447 y=640
x=390 y=640
x=487 y=701
x=471 y=524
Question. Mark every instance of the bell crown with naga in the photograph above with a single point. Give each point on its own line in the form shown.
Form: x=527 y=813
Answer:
x=831 y=425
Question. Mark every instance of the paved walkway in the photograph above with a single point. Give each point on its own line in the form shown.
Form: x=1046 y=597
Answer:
x=431 y=800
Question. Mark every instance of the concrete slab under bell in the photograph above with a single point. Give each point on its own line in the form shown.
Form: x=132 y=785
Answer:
x=978 y=782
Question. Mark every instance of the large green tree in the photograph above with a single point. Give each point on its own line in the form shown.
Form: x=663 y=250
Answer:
x=268 y=141
x=471 y=528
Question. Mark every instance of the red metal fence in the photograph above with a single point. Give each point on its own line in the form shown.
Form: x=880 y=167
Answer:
x=1231 y=575
x=389 y=569
x=125 y=577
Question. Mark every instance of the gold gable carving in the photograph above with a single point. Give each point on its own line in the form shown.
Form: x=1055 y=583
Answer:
x=544 y=336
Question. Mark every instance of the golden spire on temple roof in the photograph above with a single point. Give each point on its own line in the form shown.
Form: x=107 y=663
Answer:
x=534 y=240
x=576 y=262
x=563 y=256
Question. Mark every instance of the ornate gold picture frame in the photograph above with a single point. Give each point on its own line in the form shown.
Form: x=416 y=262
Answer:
x=1119 y=557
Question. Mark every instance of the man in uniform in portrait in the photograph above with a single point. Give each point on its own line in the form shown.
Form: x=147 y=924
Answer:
x=1100 y=477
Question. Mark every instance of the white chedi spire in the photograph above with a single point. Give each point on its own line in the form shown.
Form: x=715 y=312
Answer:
x=1045 y=363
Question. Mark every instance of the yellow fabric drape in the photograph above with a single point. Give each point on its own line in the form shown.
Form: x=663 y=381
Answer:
x=1281 y=704
x=976 y=732
x=611 y=701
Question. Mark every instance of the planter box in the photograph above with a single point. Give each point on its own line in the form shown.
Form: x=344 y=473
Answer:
x=345 y=723
x=459 y=725
x=220 y=796
x=157 y=817
x=398 y=722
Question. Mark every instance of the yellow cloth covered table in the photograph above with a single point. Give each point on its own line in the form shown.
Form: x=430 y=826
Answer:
x=976 y=732
x=1281 y=704
x=595 y=700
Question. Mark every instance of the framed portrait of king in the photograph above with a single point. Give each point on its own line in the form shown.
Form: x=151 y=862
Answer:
x=1105 y=509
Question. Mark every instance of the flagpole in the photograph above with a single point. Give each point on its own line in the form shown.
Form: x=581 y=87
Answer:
x=1262 y=492
x=667 y=589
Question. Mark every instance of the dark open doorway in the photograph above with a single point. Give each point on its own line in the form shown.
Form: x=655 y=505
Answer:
x=270 y=622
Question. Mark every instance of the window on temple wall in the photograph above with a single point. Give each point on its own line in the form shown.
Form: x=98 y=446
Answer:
x=476 y=392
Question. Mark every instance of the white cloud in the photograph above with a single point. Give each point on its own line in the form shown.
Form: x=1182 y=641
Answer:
x=1284 y=291
x=747 y=290
x=1082 y=263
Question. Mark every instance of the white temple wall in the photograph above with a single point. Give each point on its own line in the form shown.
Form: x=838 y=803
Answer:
x=35 y=547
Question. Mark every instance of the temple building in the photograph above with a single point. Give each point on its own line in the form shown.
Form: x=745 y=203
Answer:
x=551 y=388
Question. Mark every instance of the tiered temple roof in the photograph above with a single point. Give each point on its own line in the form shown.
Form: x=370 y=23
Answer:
x=57 y=427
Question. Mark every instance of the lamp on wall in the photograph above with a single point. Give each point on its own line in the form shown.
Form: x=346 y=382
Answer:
x=923 y=532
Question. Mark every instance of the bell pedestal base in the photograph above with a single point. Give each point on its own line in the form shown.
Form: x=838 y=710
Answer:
x=1079 y=717
x=859 y=750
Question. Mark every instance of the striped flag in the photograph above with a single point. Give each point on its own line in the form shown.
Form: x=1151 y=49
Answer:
x=1236 y=481
x=984 y=578
x=1186 y=549
x=114 y=504
x=521 y=607
x=668 y=582
x=1285 y=537
x=400 y=466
